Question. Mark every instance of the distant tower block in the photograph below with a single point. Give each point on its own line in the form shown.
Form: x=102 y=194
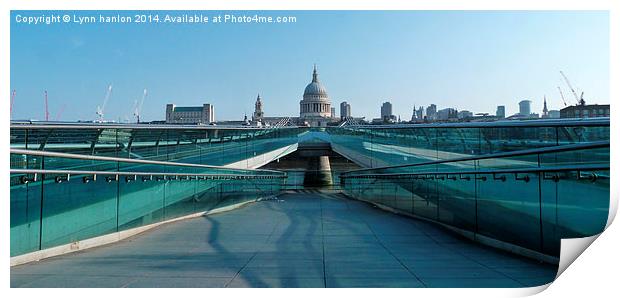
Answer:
x=501 y=112
x=525 y=107
x=345 y=110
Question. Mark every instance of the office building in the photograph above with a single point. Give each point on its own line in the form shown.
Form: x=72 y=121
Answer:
x=431 y=112
x=190 y=115
x=345 y=110
x=501 y=112
x=464 y=114
x=446 y=114
x=420 y=113
x=525 y=108
x=554 y=114
x=386 y=112
x=585 y=111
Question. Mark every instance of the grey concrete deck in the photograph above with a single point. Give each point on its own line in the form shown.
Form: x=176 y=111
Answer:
x=300 y=240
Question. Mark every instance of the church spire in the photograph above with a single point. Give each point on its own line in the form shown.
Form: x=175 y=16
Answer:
x=545 y=111
x=315 y=75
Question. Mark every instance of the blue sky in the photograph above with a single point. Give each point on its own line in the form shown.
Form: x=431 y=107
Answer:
x=466 y=60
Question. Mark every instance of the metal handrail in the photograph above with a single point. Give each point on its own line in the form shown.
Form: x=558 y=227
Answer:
x=508 y=123
x=483 y=172
x=496 y=124
x=543 y=150
x=42 y=125
x=120 y=173
x=128 y=160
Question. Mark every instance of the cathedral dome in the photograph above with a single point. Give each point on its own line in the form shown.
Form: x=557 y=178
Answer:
x=315 y=107
x=315 y=87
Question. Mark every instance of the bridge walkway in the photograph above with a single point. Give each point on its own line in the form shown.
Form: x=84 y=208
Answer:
x=304 y=239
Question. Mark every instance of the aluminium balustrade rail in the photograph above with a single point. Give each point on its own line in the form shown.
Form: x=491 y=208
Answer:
x=52 y=124
x=493 y=124
x=212 y=145
x=375 y=146
x=445 y=175
x=543 y=150
x=89 y=199
x=501 y=123
x=257 y=174
x=128 y=160
x=528 y=200
x=146 y=176
x=129 y=130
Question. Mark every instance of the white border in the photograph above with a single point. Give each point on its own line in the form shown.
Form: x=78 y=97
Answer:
x=592 y=274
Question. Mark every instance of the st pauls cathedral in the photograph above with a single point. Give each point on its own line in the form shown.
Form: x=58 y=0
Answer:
x=314 y=108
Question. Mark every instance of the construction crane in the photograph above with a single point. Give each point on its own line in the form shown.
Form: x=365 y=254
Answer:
x=562 y=95
x=12 y=102
x=101 y=109
x=138 y=107
x=47 y=113
x=579 y=100
x=62 y=109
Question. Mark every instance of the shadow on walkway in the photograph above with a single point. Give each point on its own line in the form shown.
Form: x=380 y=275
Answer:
x=296 y=240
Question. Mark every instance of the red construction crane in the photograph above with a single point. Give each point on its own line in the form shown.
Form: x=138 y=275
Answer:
x=47 y=113
x=12 y=101
x=62 y=109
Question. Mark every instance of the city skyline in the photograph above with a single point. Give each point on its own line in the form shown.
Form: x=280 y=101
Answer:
x=501 y=59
